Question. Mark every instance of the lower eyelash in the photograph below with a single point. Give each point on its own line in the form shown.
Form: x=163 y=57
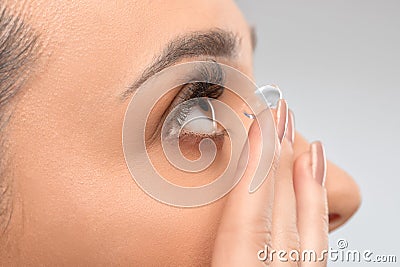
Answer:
x=195 y=138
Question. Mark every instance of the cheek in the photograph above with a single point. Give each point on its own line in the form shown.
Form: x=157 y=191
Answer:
x=172 y=236
x=136 y=225
x=109 y=219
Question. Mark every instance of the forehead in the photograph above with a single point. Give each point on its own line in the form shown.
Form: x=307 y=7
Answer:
x=124 y=30
x=134 y=17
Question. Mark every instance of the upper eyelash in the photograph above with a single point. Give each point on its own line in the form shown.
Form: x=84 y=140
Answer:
x=209 y=85
x=200 y=89
x=209 y=82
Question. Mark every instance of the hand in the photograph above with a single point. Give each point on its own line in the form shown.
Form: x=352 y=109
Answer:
x=288 y=212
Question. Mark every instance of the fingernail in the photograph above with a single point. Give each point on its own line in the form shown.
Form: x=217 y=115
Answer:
x=290 y=132
x=318 y=162
x=266 y=147
x=282 y=119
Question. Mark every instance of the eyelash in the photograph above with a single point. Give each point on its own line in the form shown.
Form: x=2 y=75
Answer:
x=200 y=89
x=212 y=88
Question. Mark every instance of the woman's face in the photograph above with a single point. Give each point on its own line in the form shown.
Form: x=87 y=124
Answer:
x=73 y=198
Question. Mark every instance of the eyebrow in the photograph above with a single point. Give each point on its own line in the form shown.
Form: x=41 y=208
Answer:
x=213 y=43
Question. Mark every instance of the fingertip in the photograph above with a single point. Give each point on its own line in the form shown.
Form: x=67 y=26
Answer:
x=302 y=167
x=309 y=191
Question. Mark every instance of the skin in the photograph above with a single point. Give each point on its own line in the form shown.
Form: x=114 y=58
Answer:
x=74 y=201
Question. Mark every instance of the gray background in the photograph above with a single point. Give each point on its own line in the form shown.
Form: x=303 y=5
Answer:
x=338 y=64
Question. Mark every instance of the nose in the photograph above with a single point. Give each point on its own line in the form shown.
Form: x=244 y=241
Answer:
x=343 y=193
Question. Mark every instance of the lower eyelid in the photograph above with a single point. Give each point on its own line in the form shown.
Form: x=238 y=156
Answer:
x=193 y=139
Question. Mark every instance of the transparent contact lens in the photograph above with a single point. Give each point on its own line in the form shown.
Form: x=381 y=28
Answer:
x=269 y=95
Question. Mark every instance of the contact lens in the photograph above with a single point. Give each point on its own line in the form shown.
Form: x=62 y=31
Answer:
x=271 y=94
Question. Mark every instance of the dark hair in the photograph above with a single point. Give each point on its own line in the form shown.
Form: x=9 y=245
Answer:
x=18 y=44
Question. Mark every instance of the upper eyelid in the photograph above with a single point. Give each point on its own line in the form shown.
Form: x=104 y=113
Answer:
x=206 y=73
x=210 y=72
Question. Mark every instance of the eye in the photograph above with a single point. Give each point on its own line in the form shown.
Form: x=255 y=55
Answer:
x=185 y=136
x=192 y=116
x=189 y=114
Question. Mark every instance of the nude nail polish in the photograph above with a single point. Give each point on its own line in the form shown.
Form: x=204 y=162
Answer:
x=282 y=119
x=290 y=132
x=318 y=162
